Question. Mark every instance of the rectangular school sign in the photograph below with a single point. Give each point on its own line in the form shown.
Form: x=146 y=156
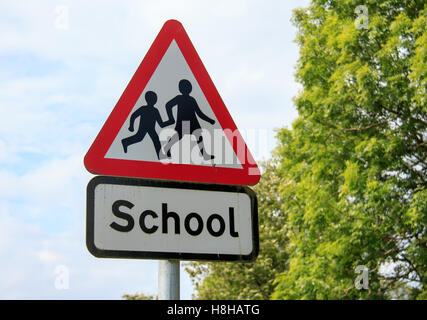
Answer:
x=153 y=219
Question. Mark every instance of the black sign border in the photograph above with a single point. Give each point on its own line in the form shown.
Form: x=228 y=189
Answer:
x=127 y=254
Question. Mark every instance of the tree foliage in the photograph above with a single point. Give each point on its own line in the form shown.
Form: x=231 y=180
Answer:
x=250 y=280
x=354 y=163
x=350 y=187
x=139 y=296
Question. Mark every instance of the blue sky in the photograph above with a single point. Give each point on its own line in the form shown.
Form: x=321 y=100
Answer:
x=63 y=66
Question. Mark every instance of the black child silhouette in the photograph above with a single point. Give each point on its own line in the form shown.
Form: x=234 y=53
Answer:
x=149 y=116
x=187 y=113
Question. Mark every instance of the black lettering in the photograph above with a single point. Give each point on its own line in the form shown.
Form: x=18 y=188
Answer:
x=199 y=222
x=233 y=231
x=142 y=221
x=166 y=215
x=221 y=225
x=122 y=215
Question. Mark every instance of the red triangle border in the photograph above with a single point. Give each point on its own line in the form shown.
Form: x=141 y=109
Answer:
x=95 y=161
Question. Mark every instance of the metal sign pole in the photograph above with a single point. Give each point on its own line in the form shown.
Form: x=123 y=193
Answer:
x=168 y=279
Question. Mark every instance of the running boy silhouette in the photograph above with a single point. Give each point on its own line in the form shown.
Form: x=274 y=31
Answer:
x=149 y=116
x=187 y=113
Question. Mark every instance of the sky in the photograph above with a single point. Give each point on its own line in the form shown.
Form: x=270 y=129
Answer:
x=63 y=67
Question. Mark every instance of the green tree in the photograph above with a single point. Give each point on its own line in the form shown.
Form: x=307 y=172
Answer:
x=139 y=296
x=354 y=163
x=250 y=280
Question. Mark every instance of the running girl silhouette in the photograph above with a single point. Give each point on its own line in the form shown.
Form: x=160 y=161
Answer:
x=187 y=113
x=149 y=116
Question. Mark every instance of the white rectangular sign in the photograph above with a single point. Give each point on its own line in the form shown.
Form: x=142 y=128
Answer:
x=135 y=218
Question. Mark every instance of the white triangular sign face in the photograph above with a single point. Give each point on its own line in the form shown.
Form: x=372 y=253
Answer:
x=165 y=84
x=170 y=123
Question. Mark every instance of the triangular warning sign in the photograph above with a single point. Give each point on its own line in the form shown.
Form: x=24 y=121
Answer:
x=170 y=122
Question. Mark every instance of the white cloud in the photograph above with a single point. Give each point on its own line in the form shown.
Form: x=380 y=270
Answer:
x=191 y=11
x=47 y=256
x=53 y=184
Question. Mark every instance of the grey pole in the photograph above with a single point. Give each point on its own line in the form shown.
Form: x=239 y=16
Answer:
x=168 y=280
